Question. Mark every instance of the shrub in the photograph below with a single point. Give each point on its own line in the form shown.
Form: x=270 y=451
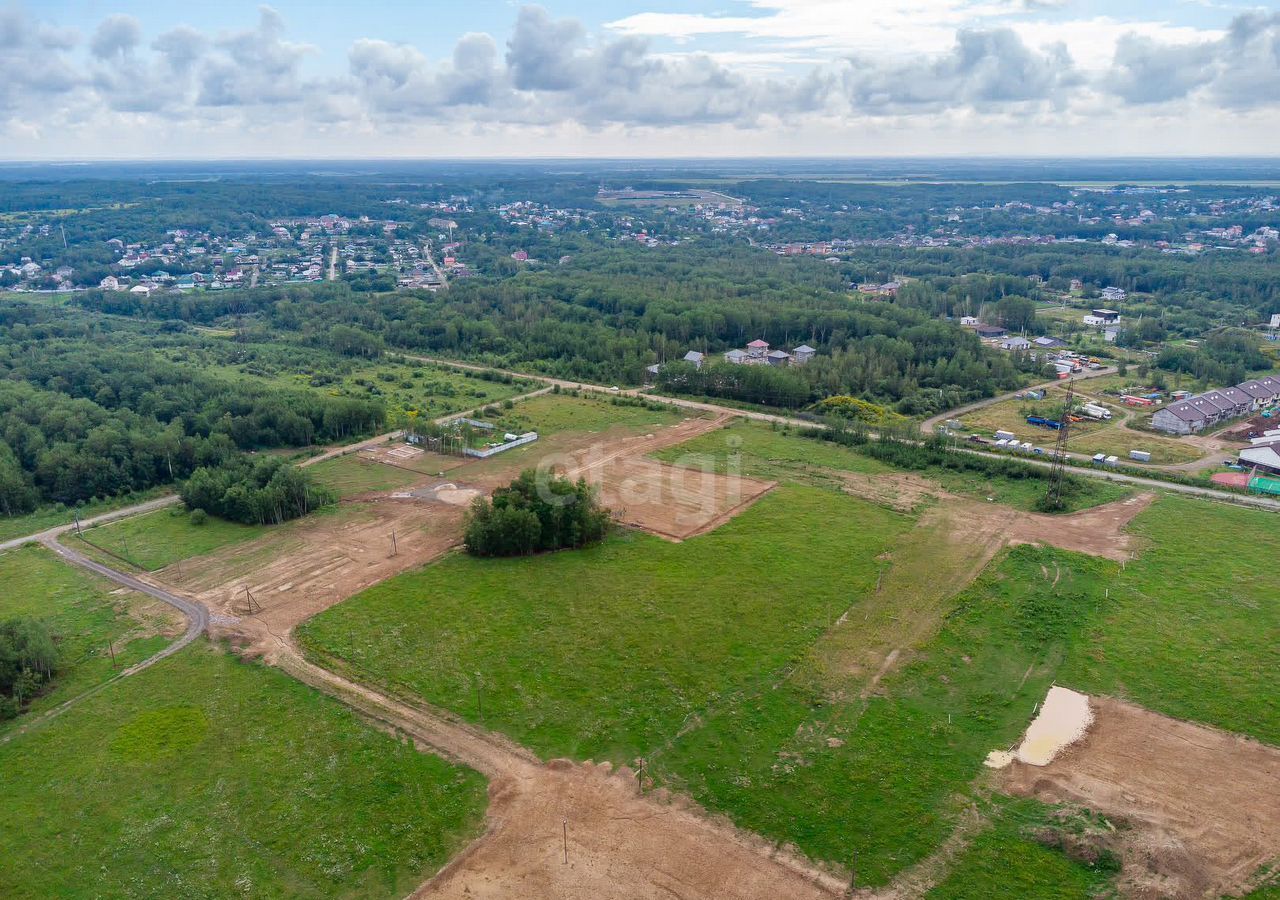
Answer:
x=199 y=516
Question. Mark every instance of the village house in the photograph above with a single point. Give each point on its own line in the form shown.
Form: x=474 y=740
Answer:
x=695 y=357
x=778 y=358
x=802 y=354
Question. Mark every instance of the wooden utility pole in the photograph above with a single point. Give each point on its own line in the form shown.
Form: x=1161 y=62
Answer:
x=565 y=824
x=112 y=650
x=394 y=550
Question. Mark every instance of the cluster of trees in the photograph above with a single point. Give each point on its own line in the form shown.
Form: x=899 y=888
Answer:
x=28 y=661
x=263 y=491
x=533 y=515
x=754 y=384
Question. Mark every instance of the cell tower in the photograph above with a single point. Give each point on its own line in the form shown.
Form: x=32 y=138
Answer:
x=1060 y=449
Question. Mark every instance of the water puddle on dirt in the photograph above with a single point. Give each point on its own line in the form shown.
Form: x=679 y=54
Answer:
x=1063 y=719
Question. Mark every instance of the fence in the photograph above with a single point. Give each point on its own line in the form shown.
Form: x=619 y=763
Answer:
x=526 y=438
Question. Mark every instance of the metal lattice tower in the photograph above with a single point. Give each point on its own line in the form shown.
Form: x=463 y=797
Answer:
x=1060 y=448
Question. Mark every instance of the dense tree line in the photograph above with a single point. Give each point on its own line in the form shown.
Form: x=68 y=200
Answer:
x=84 y=418
x=535 y=515
x=608 y=314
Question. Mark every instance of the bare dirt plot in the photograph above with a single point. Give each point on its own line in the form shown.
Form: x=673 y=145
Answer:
x=674 y=502
x=1202 y=806
x=618 y=845
x=1099 y=531
x=307 y=566
x=415 y=459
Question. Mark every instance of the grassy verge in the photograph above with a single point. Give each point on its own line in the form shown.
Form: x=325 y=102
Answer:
x=85 y=615
x=157 y=539
x=760 y=450
x=52 y=516
x=208 y=776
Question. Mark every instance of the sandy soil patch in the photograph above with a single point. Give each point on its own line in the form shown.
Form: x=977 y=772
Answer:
x=1202 y=806
x=1063 y=719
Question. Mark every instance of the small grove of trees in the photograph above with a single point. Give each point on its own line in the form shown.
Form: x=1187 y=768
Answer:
x=257 y=492
x=28 y=661
x=535 y=514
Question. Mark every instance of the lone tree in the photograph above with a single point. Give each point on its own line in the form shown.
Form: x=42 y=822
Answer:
x=534 y=515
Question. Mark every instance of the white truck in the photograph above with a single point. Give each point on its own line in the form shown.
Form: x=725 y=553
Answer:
x=1095 y=411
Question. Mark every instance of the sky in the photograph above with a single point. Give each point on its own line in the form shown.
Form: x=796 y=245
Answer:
x=125 y=79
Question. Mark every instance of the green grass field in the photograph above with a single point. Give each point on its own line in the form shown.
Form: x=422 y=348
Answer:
x=157 y=539
x=880 y=782
x=85 y=617
x=350 y=475
x=1193 y=626
x=205 y=776
x=734 y=664
x=631 y=638
x=552 y=413
x=700 y=658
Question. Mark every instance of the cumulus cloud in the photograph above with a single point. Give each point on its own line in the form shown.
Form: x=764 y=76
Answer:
x=34 y=64
x=984 y=69
x=1239 y=71
x=116 y=35
x=1146 y=71
x=553 y=73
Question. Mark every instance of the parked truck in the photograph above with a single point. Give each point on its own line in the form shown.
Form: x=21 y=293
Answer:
x=1095 y=411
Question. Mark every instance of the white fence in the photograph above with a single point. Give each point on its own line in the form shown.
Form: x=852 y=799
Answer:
x=527 y=438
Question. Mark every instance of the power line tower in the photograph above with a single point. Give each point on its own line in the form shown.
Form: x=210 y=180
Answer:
x=1060 y=450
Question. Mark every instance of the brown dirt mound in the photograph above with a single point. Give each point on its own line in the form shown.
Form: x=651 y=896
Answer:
x=1202 y=806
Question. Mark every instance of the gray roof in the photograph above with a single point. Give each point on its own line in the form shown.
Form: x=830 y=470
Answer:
x=1213 y=398
x=1257 y=389
x=1236 y=396
x=804 y=348
x=736 y=353
x=779 y=354
x=693 y=356
x=1261 y=456
x=1185 y=411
